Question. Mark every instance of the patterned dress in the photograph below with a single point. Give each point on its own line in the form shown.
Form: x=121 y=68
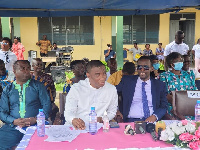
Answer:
x=48 y=82
x=18 y=49
x=182 y=82
x=5 y=80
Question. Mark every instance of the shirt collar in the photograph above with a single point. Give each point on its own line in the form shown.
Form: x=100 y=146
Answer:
x=147 y=82
x=87 y=79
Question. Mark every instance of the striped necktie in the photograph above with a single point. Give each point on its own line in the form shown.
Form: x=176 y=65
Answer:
x=145 y=101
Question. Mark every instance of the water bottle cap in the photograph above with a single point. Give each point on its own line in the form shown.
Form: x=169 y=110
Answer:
x=40 y=110
x=92 y=108
x=198 y=101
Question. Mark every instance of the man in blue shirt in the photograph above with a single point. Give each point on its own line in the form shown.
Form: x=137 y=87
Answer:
x=109 y=53
x=19 y=104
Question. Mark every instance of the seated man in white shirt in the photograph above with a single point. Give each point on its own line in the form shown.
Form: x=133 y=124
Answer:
x=94 y=91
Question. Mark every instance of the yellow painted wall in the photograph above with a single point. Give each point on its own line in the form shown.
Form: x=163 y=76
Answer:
x=29 y=34
x=102 y=36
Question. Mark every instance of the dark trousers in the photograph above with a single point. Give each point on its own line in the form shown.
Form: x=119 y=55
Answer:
x=9 y=137
x=43 y=54
x=44 y=63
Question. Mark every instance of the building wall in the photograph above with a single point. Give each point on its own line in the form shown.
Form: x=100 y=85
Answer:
x=102 y=36
x=29 y=34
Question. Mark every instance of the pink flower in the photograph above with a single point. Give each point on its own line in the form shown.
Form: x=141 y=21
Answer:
x=194 y=145
x=186 y=137
x=193 y=123
x=197 y=133
x=195 y=138
x=184 y=122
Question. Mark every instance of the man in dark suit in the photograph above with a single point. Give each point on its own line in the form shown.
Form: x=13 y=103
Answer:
x=144 y=98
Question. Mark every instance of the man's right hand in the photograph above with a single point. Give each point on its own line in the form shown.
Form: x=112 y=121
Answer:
x=78 y=124
x=21 y=122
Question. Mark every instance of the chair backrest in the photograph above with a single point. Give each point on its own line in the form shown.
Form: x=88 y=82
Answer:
x=182 y=104
x=62 y=100
x=197 y=82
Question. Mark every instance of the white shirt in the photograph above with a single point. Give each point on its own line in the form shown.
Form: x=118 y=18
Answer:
x=196 y=48
x=174 y=47
x=136 y=109
x=10 y=61
x=135 y=51
x=82 y=96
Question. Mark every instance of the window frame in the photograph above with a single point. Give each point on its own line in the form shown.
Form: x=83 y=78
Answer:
x=145 y=31
x=66 y=31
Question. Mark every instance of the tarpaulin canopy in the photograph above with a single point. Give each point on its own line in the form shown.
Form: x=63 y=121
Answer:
x=59 y=8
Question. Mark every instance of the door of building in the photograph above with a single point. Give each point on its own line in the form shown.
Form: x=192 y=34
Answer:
x=186 y=23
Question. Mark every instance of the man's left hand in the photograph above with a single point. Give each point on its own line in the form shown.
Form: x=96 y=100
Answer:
x=99 y=119
x=152 y=119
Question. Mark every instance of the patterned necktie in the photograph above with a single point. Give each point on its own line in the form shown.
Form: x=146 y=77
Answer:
x=145 y=101
x=7 y=58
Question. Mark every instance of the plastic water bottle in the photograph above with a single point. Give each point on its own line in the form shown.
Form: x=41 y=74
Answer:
x=41 y=123
x=105 y=122
x=197 y=111
x=93 y=121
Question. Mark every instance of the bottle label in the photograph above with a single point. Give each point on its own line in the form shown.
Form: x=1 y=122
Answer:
x=39 y=122
x=106 y=124
x=198 y=111
x=93 y=118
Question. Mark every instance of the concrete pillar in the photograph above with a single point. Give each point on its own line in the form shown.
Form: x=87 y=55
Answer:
x=16 y=22
x=119 y=43
x=5 y=22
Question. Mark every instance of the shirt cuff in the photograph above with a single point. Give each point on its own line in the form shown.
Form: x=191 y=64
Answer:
x=156 y=117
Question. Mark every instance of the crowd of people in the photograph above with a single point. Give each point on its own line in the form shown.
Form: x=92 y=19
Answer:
x=141 y=91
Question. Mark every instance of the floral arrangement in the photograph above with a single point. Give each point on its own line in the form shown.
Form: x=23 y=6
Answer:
x=184 y=134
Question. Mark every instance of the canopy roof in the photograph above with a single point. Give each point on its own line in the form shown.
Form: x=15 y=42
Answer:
x=60 y=8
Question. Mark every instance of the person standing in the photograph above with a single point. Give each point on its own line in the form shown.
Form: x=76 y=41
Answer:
x=44 y=44
x=176 y=46
x=19 y=105
x=6 y=55
x=109 y=53
x=18 y=49
x=137 y=52
x=196 y=52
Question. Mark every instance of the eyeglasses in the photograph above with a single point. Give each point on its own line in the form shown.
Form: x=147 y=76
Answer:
x=139 y=67
x=2 y=43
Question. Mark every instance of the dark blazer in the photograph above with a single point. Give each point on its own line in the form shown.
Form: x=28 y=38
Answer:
x=158 y=91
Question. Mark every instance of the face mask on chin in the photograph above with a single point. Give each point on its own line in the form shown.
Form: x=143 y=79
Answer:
x=178 y=66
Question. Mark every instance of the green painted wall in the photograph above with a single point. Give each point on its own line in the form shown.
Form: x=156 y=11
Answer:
x=5 y=22
x=16 y=22
x=119 y=49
